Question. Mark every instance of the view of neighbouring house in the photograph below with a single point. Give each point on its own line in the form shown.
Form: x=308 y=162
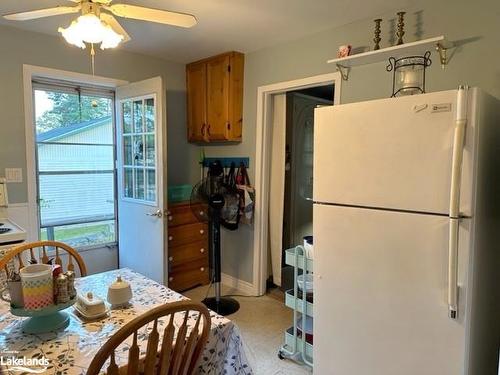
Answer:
x=76 y=182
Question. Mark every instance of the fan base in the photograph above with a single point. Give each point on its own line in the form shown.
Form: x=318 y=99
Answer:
x=225 y=305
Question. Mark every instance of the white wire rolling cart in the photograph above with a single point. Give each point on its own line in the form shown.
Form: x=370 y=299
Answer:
x=296 y=347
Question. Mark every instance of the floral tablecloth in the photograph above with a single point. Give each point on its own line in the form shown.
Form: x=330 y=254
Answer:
x=71 y=351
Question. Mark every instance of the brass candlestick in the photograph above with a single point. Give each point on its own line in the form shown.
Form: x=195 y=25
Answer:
x=401 y=26
x=377 y=34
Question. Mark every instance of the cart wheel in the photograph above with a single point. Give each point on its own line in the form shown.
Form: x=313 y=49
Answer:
x=280 y=356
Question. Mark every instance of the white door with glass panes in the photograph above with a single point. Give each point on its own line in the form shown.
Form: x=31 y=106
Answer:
x=141 y=162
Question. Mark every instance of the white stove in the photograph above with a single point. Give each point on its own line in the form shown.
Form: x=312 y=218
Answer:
x=11 y=234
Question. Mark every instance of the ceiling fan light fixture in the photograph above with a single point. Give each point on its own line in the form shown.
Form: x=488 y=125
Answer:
x=89 y=28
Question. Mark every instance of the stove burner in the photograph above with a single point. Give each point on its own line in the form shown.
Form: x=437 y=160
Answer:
x=5 y=230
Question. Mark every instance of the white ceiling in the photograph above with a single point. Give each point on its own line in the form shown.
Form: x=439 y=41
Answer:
x=223 y=25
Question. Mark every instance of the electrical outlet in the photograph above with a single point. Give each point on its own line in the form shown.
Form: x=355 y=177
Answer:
x=13 y=175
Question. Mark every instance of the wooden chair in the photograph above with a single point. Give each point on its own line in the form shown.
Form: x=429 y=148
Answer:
x=170 y=358
x=17 y=253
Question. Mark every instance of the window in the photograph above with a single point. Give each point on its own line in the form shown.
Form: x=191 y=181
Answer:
x=75 y=164
x=139 y=155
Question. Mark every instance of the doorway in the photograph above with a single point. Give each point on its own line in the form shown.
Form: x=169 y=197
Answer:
x=264 y=155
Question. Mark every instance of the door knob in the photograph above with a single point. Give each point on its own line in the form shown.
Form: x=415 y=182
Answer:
x=157 y=213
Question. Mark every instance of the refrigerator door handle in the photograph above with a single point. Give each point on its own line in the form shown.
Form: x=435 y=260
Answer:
x=456 y=174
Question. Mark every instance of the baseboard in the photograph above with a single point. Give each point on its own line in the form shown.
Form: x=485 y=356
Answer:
x=240 y=286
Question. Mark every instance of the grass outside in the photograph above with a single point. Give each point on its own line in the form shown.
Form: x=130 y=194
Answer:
x=84 y=234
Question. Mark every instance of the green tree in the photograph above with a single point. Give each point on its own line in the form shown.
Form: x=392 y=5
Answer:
x=70 y=109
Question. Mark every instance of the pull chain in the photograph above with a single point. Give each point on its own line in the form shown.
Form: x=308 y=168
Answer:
x=92 y=58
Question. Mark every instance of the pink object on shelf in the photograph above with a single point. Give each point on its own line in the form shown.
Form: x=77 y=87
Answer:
x=344 y=51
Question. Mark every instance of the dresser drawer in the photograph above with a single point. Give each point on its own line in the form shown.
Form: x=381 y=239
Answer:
x=186 y=234
x=180 y=215
x=187 y=253
x=189 y=275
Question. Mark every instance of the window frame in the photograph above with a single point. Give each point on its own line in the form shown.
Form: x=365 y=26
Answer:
x=82 y=90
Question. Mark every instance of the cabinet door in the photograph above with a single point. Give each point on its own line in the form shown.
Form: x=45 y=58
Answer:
x=218 y=98
x=196 y=82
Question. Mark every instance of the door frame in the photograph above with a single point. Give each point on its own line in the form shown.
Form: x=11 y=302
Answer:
x=29 y=73
x=262 y=164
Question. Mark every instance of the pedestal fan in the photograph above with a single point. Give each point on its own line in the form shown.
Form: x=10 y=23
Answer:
x=211 y=201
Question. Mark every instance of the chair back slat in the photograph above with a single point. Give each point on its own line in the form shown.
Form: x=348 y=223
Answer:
x=45 y=258
x=58 y=258
x=133 y=357
x=32 y=256
x=113 y=367
x=189 y=348
x=179 y=346
x=169 y=359
x=20 y=260
x=166 y=347
x=152 y=350
x=17 y=252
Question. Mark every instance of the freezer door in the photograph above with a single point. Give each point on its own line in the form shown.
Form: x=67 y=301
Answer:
x=391 y=153
x=380 y=287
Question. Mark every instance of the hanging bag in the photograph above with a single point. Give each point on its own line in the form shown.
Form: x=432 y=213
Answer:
x=231 y=210
x=247 y=195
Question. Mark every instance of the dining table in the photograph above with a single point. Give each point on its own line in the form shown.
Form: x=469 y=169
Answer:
x=70 y=351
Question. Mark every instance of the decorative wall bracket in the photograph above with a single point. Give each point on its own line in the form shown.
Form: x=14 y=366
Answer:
x=442 y=49
x=344 y=71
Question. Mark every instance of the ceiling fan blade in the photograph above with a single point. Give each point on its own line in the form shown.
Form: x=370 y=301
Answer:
x=41 y=13
x=152 y=15
x=115 y=25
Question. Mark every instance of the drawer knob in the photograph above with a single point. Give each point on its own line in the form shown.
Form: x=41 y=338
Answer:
x=171 y=259
x=202 y=250
x=202 y=213
x=168 y=212
x=202 y=269
x=170 y=218
x=202 y=231
x=170 y=238
x=170 y=279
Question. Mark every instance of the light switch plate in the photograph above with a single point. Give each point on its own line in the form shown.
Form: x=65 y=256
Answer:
x=13 y=175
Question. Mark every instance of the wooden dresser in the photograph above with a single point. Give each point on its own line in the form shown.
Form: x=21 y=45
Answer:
x=187 y=248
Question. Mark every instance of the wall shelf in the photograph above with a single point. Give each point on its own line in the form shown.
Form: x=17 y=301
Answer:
x=419 y=47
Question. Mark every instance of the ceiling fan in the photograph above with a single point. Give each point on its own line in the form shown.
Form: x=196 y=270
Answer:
x=96 y=24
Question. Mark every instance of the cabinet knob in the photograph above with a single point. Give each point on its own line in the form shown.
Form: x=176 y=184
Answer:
x=202 y=231
x=202 y=269
x=202 y=213
x=202 y=250
x=170 y=218
x=170 y=238
x=170 y=259
x=170 y=279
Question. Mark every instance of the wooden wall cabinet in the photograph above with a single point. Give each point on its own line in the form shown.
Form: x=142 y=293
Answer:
x=215 y=98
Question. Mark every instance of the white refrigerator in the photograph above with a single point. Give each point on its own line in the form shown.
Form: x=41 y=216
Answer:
x=407 y=236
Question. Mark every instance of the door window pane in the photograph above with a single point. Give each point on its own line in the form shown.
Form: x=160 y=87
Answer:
x=150 y=115
x=127 y=117
x=151 y=185
x=139 y=183
x=138 y=150
x=138 y=126
x=127 y=151
x=150 y=150
x=128 y=183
